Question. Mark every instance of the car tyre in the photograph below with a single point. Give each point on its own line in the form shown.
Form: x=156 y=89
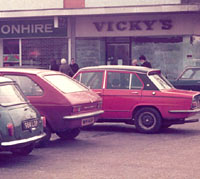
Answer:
x=45 y=140
x=148 y=120
x=68 y=134
x=24 y=150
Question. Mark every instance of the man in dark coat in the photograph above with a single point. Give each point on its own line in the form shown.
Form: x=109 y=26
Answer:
x=65 y=68
x=54 y=66
x=74 y=66
x=144 y=62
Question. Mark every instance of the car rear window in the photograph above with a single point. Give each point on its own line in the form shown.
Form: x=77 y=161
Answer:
x=10 y=95
x=65 y=84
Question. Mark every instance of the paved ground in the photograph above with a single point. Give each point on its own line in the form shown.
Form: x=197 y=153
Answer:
x=112 y=151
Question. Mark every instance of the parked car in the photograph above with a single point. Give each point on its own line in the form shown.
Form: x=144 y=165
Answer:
x=189 y=79
x=140 y=96
x=66 y=104
x=21 y=125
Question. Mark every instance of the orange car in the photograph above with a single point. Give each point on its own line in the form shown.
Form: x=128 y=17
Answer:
x=140 y=96
x=66 y=104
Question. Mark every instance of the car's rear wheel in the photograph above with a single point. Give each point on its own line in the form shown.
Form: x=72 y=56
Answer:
x=24 y=150
x=45 y=140
x=69 y=134
x=148 y=120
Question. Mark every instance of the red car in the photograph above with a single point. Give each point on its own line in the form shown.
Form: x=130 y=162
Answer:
x=139 y=96
x=66 y=104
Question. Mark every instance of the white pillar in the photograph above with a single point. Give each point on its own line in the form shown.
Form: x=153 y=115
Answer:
x=1 y=52
x=71 y=38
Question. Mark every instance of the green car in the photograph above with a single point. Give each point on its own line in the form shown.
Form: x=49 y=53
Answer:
x=21 y=125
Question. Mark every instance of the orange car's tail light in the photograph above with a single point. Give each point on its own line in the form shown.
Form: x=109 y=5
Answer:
x=43 y=118
x=10 y=129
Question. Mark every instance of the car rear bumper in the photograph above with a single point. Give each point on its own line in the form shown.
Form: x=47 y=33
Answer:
x=84 y=115
x=185 y=111
x=22 y=141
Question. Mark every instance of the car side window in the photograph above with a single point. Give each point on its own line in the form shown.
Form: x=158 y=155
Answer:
x=28 y=86
x=118 y=80
x=135 y=82
x=93 y=80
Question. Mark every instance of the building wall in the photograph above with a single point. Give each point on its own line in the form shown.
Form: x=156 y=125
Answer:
x=110 y=3
x=30 y=4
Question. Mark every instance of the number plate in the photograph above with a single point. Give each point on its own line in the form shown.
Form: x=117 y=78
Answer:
x=28 y=124
x=87 y=121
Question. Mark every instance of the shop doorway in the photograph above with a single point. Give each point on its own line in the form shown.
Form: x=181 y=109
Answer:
x=118 y=54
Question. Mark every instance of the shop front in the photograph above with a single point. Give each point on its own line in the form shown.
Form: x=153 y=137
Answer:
x=169 y=41
x=33 y=42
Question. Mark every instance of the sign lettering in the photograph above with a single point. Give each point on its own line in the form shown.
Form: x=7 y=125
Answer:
x=148 y=25
x=32 y=28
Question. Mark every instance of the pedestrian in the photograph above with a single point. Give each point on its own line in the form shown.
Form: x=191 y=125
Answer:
x=134 y=62
x=74 y=66
x=144 y=62
x=54 y=66
x=65 y=68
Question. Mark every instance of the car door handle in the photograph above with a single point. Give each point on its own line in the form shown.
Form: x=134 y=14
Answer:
x=134 y=92
x=99 y=93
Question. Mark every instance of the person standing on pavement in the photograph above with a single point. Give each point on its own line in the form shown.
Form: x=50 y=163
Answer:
x=65 y=68
x=134 y=62
x=54 y=66
x=144 y=62
x=74 y=66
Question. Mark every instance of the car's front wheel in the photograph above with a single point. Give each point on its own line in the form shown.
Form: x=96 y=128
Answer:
x=69 y=134
x=148 y=120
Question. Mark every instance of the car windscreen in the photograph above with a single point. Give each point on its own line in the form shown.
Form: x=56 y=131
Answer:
x=65 y=84
x=160 y=81
x=10 y=95
x=190 y=74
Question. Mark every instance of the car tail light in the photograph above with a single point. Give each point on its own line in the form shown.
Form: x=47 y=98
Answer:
x=10 y=129
x=43 y=118
x=76 y=109
x=195 y=102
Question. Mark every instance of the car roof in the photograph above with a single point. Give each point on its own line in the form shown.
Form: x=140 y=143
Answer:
x=28 y=70
x=120 y=67
x=4 y=79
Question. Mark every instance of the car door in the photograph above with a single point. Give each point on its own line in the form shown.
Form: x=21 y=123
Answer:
x=121 y=94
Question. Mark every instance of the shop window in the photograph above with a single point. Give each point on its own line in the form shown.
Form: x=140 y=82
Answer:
x=165 y=53
x=40 y=52
x=90 y=52
x=10 y=52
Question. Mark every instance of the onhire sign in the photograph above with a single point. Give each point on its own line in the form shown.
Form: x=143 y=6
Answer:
x=33 y=28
